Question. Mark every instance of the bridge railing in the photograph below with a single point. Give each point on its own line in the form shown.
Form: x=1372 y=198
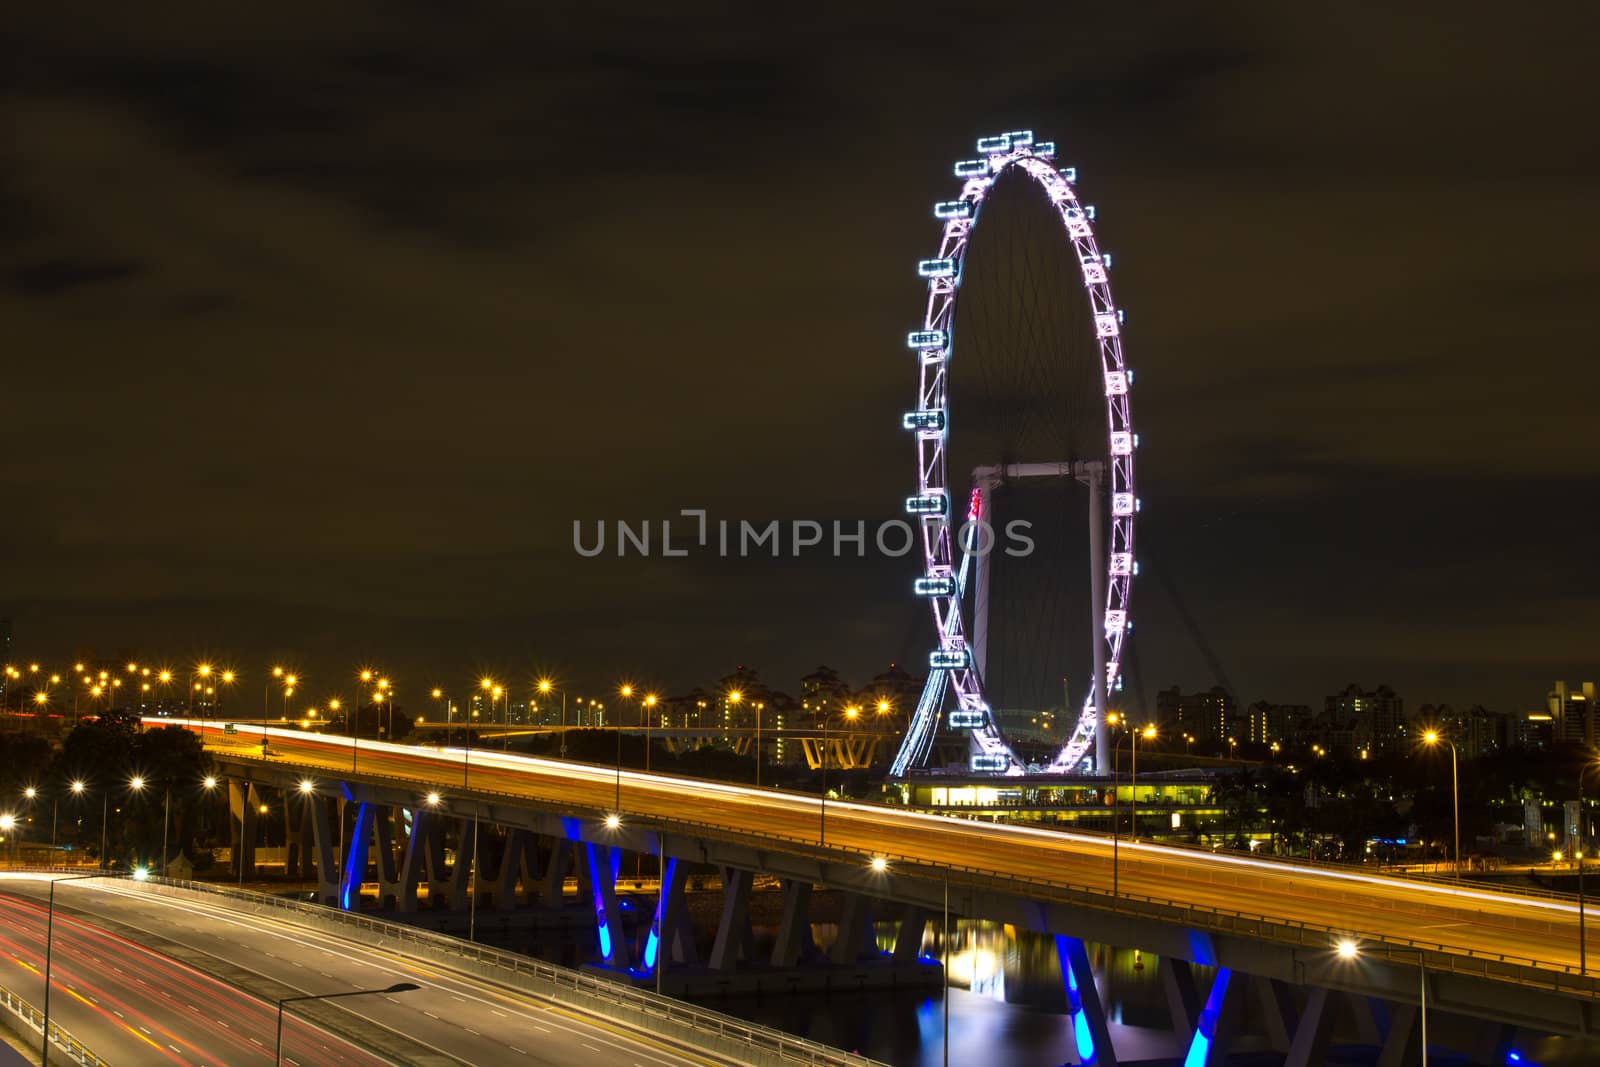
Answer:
x=748 y=1042
x=32 y=1021
x=1525 y=970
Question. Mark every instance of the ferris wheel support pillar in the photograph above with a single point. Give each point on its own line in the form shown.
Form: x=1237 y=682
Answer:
x=984 y=480
x=1092 y=475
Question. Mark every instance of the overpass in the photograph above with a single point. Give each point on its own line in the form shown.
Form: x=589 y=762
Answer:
x=1266 y=933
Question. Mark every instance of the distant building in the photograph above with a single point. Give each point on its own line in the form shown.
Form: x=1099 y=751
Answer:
x=1375 y=719
x=1475 y=731
x=823 y=691
x=5 y=657
x=1207 y=716
x=689 y=711
x=1266 y=723
x=1535 y=730
x=1572 y=710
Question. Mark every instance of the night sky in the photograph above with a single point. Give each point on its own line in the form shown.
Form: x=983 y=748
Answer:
x=321 y=329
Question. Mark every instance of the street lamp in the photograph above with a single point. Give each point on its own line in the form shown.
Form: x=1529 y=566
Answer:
x=547 y=686
x=1433 y=737
x=650 y=702
x=398 y=987
x=626 y=692
x=497 y=693
x=1349 y=949
x=49 y=943
x=202 y=671
x=1149 y=734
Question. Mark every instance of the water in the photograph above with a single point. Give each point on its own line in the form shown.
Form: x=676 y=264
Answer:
x=1007 y=1008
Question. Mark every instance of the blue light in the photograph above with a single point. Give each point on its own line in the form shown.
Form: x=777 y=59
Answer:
x=1080 y=1019
x=1020 y=138
x=650 y=950
x=1045 y=149
x=930 y=419
x=1513 y=1057
x=932 y=504
x=1080 y=1034
x=947 y=659
x=925 y=339
x=972 y=168
x=953 y=209
x=998 y=143
x=1070 y=174
x=961 y=719
x=1106 y=259
x=1206 y=1030
x=981 y=762
x=942 y=586
x=350 y=884
x=936 y=268
x=601 y=925
x=1088 y=209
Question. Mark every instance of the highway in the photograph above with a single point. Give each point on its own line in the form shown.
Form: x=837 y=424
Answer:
x=1469 y=919
x=133 y=1005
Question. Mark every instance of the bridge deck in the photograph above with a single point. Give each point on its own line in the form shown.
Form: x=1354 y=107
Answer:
x=1466 y=929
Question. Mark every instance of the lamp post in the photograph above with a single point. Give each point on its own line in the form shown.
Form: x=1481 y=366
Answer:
x=1149 y=734
x=496 y=695
x=650 y=702
x=1434 y=737
x=547 y=686
x=1349 y=949
x=49 y=942
x=202 y=671
x=626 y=692
x=822 y=819
x=277 y=1053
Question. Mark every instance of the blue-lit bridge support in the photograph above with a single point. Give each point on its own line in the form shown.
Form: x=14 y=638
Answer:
x=1226 y=991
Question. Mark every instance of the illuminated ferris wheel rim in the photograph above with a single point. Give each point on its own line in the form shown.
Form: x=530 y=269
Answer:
x=943 y=580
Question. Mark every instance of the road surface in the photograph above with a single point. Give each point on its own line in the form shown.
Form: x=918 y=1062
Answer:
x=132 y=1005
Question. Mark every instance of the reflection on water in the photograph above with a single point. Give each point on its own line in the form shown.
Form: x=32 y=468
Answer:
x=1007 y=1007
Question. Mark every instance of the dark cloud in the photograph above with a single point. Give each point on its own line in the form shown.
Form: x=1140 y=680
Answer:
x=330 y=322
x=54 y=277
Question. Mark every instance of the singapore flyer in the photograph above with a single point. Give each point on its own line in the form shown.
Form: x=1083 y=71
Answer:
x=1022 y=389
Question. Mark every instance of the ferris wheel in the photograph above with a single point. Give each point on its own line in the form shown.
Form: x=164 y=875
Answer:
x=1057 y=424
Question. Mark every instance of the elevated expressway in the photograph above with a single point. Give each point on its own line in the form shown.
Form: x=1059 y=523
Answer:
x=1503 y=959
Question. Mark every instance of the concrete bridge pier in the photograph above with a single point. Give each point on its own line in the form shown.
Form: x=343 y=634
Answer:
x=243 y=805
x=514 y=862
x=794 y=928
x=598 y=866
x=735 y=938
